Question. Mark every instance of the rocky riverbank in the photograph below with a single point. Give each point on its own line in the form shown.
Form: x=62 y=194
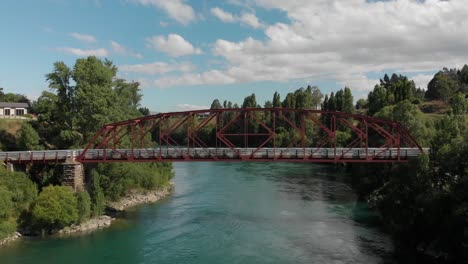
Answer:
x=88 y=226
x=137 y=197
x=10 y=238
x=133 y=198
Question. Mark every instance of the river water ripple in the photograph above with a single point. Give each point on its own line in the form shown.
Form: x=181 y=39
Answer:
x=230 y=213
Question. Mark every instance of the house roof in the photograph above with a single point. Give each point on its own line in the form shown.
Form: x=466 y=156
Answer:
x=14 y=105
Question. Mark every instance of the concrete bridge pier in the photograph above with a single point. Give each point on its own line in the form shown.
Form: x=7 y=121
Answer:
x=10 y=167
x=73 y=175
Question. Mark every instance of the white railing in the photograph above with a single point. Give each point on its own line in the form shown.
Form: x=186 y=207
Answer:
x=212 y=153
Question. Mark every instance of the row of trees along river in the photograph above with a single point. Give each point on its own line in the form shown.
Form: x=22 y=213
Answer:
x=423 y=204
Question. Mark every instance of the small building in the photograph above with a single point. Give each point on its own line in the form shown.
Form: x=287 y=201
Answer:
x=13 y=109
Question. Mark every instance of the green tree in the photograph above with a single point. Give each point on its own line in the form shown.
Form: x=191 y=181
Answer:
x=96 y=194
x=347 y=104
x=56 y=207
x=444 y=84
x=411 y=117
x=88 y=96
x=361 y=104
x=216 y=104
x=249 y=101
x=377 y=99
x=84 y=206
x=28 y=138
x=23 y=190
x=276 y=100
x=459 y=104
x=6 y=203
x=144 y=111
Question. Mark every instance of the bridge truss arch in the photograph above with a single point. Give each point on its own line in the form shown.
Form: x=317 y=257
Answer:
x=252 y=134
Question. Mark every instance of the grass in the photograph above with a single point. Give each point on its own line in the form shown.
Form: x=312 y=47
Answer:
x=434 y=107
x=11 y=126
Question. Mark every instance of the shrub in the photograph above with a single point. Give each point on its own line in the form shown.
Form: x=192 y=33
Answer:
x=56 y=207
x=23 y=190
x=84 y=206
x=96 y=193
x=6 y=203
x=7 y=227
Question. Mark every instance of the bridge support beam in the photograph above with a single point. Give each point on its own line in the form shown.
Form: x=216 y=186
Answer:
x=73 y=175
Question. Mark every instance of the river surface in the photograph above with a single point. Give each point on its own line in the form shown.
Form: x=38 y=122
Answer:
x=230 y=213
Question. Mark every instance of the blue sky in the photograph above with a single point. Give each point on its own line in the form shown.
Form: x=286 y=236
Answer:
x=186 y=53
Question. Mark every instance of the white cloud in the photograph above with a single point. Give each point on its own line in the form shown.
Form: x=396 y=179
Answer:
x=343 y=40
x=246 y=18
x=173 y=44
x=84 y=52
x=188 y=107
x=223 y=15
x=176 y=9
x=157 y=67
x=356 y=81
x=210 y=77
x=421 y=80
x=83 y=37
x=122 y=50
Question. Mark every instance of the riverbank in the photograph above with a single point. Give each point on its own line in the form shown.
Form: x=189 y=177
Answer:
x=131 y=199
x=138 y=197
x=10 y=238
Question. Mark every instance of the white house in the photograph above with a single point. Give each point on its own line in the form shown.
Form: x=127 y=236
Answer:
x=13 y=109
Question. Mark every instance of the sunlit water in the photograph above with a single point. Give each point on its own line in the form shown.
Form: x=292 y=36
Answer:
x=229 y=213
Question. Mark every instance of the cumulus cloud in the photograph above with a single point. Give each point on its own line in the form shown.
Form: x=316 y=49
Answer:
x=84 y=52
x=176 y=9
x=343 y=40
x=188 y=107
x=157 y=67
x=246 y=18
x=174 y=45
x=83 y=37
x=122 y=50
x=421 y=80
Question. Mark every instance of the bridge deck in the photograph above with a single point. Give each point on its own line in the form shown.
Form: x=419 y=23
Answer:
x=216 y=154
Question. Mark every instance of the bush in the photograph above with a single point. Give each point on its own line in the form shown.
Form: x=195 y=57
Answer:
x=96 y=193
x=6 y=203
x=116 y=179
x=56 y=207
x=7 y=227
x=23 y=190
x=84 y=206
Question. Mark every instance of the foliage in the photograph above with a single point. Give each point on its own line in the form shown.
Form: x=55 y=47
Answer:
x=459 y=104
x=87 y=97
x=6 y=203
x=56 y=207
x=84 y=206
x=216 y=104
x=23 y=190
x=28 y=138
x=392 y=91
x=410 y=117
x=117 y=178
x=341 y=101
x=96 y=194
x=361 y=104
x=448 y=82
x=428 y=194
x=7 y=227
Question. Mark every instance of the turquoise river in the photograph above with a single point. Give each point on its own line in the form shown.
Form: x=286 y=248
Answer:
x=230 y=213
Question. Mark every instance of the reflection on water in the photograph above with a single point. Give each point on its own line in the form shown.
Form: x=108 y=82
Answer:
x=230 y=213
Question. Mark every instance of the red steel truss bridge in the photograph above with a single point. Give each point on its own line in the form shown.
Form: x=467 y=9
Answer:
x=241 y=134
